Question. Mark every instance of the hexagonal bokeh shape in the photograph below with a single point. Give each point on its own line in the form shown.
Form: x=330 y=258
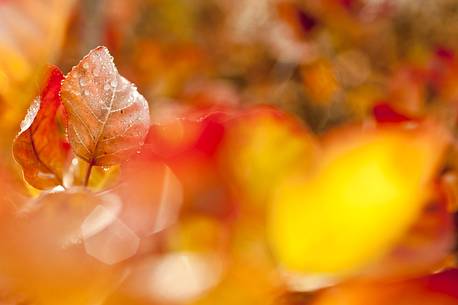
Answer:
x=106 y=238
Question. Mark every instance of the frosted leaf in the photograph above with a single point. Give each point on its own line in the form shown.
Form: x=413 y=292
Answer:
x=109 y=121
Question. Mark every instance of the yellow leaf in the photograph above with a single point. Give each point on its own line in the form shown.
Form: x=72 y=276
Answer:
x=368 y=190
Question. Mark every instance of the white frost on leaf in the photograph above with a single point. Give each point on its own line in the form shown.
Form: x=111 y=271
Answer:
x=108 y=118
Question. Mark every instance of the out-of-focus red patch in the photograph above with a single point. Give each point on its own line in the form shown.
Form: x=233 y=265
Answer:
x=445 y=53
x=445 y=282
x=346 y=3
x=384 y=113
x=306 y=21
x=189 y=146
x=211 y=136
x=198 y=132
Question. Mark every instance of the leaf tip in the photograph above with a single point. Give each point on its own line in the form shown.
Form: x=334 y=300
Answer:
x=101 y=51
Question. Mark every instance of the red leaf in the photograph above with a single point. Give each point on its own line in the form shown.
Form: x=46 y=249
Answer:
x=41 y=147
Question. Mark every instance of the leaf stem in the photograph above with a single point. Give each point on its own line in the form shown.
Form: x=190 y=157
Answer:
x=88 y=173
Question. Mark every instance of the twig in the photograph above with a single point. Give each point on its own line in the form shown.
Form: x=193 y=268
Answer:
x=88 y=174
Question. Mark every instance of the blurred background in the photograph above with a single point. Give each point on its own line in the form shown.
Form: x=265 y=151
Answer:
x=206 y=67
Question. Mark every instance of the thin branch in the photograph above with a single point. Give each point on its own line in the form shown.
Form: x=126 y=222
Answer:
x=88 y=173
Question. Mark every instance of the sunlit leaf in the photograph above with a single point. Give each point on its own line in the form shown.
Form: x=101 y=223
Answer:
x=107 y=117
x=369 y=188
x=41 y=147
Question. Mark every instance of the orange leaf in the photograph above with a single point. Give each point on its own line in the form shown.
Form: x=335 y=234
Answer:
x=108 y=118
x=41 y=147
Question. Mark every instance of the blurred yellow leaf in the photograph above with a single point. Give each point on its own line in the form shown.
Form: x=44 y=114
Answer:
x=368 y=190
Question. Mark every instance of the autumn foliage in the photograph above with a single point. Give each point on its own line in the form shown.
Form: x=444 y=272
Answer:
x=210 y=184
